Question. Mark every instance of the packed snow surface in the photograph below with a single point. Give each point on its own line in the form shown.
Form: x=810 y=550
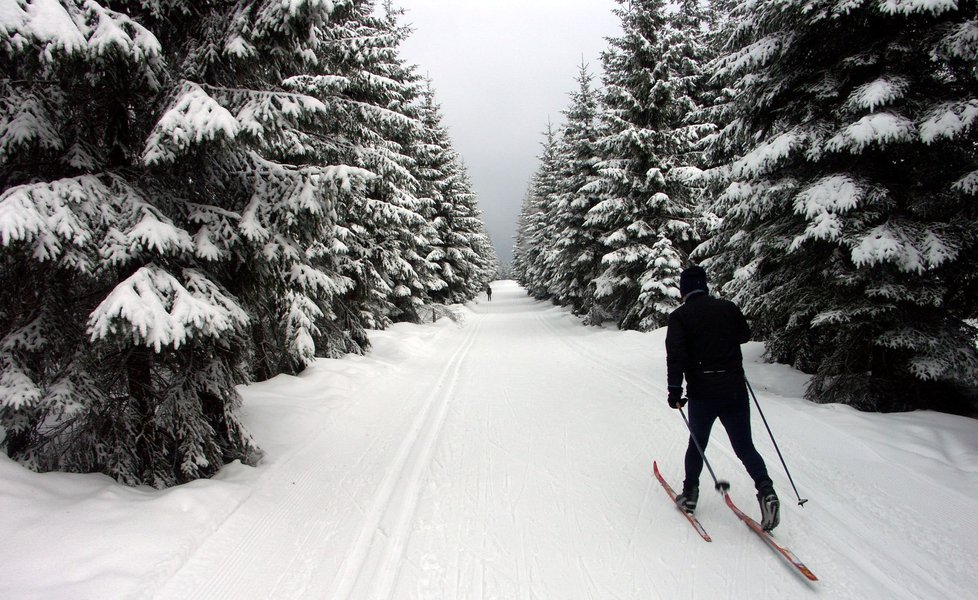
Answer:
x=510 y=456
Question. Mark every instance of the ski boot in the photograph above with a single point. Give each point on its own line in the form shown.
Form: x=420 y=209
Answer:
x=770 y=506
x=687 y=499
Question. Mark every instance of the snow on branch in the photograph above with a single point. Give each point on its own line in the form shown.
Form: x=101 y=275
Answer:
x=912 y=249
x=111 y=31
x=967 y=184
x=278 y=15
x=51 y=213
x=25 y=121
x=835 y=193
x=767 y=155
x=910 y=7
x=239 y=47
x=45 y=24
x=876 y=94
x=73 y=27
x=192 y=118
x=17 y=388
x=322 y=85
x=752 y=56
x=301 y=327
x=157 y=310
x=218 y=231
x=825 y=202
x=146 y=229
x=948 y=120
x=938 y=352
x=312 y=279
x=878 y=128
x=276 y=108
x=961 y=41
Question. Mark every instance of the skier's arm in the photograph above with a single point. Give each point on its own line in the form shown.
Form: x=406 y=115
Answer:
x=676 y=355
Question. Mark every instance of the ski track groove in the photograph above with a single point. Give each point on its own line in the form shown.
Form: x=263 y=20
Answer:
x=266 y=481
x=399 y=494
x=261 y=529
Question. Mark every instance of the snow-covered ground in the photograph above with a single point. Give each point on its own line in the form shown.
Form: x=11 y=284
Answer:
x=509 y=456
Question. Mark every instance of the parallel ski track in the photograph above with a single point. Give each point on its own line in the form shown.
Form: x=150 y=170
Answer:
x=255 y=532
x=371 y=568
x=294 y=575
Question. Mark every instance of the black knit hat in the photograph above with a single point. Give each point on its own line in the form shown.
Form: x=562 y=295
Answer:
x=691 y=280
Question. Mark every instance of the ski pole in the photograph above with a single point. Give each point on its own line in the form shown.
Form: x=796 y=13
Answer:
x=720 y=486
x=801 y=501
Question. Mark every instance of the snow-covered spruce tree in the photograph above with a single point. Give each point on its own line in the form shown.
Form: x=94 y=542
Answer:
x=645 y=215
x=541 y=227
x=719 y=110
x=521 y=240
x=852 y=209
x=530 y=219
x=459 y=250
x=141 y=210
x=290 y=277
x=467 y=240
x=383 y=237
x=578 y=250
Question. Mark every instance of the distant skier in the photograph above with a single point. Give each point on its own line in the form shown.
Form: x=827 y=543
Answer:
x=703 y=344
x=489 y=293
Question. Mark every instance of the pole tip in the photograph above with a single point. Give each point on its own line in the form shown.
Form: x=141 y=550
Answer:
x=723 y=486
x=802 y=501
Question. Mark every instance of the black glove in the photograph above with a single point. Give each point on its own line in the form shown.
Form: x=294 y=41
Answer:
x=676 y=399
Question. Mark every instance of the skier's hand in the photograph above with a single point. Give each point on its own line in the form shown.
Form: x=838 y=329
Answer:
x=676 y=399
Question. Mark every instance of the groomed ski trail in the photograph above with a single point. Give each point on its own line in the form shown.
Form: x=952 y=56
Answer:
x=511 y=457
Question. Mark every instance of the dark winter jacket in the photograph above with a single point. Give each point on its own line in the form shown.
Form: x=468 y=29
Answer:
x=703 y=344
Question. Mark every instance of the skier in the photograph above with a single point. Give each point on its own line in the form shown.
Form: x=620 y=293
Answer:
x=489 y=293
x=703 y=344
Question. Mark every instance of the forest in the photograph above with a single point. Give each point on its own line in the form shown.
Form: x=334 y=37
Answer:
x=818 y=157
x=198 y=194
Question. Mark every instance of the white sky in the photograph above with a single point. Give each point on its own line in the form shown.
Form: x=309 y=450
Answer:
x=501 y=69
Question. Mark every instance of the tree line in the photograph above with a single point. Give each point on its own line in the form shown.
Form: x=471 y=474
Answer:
x=198 y=194
x=818 y=157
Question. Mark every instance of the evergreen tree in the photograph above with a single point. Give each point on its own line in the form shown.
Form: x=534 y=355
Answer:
x=382 y=236
x=646 y=206
x=851 y=212
x=578 y=250
x=521 y=241
x=461 y=249
x=538 y=261
x=143 y=208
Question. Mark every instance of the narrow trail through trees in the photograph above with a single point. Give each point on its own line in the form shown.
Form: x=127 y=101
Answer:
x=510 y=456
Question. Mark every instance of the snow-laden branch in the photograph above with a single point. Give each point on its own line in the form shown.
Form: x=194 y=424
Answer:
x=73 y=27
x=51 y=213
x=876 y=94
x=878 y=128
x=192 y=118
x=156 y=309
x=25 y=120
x=910 y=7
x=948 y=120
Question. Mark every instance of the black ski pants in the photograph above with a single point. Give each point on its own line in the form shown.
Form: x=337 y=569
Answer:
x=733 y=410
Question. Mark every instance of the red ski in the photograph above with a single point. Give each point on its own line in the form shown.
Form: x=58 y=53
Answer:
x=756 y=528
x=672 y=495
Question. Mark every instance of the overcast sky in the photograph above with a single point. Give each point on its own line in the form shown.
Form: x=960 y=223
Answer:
x=501 y=69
